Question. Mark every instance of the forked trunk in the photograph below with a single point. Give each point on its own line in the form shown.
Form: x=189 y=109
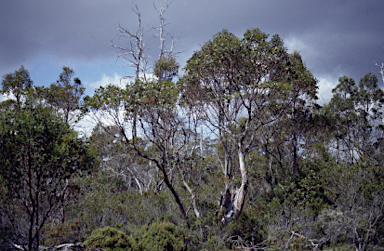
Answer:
x=233 y=202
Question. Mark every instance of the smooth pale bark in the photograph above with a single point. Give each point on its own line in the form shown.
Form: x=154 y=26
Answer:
x=244 y=184
x=234 y=202
x=193 y=199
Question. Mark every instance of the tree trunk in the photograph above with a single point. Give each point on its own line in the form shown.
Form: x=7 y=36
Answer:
x=234 y=202
x=174 y=193
x=242 y=191
x=294 y=165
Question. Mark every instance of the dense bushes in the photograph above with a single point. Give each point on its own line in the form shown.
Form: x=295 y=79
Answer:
x=157 y=237
x=110 y=239
x=161 y=236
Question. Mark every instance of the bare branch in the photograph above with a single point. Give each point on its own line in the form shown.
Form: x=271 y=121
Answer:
x=162 y=33
x=135 y=52
x=381 y=70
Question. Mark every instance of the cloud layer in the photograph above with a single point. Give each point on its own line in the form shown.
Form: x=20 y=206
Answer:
x=334 y=37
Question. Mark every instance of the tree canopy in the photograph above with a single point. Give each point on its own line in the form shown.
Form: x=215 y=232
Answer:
x=39 y=156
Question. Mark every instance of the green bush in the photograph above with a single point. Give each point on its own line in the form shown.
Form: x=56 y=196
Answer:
x=110 y=239
x=161 y=236
x=214 y=243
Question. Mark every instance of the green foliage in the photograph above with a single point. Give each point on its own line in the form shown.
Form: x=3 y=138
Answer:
x=247 y=66
x=238 y=86
x=206 y=233
x=108 y=201
x=57 y=152
x=39 y=156
x=166 y=68
x=355 y=114
x=340 y=247
x=214 y=243
x=136 y=98
x=64 y=96
x=209 y=233
x=308 y=188
x=161 y=236
x=16 y=83
x=110 y=239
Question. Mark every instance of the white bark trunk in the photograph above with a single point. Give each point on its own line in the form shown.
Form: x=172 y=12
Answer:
x=244 y=184
x=234 y=202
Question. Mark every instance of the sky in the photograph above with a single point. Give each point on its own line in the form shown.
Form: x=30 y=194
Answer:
x=334 y=38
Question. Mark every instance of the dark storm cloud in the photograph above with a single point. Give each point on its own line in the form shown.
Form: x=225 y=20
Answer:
x=334 y=37
x=339 y=36
x=60 y=28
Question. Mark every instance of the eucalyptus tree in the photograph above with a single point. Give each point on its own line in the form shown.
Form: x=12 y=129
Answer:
x=39 y=156
x=134 y=53
x=283 y=144
x=301 y=112
x=146 y=113
x=16 y=84
x=236 y=86
x=65 y=96
x=147 y=118
x=356 y=112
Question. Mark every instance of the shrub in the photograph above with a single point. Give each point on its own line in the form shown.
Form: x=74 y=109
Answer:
x=161 y=236
x=110 y=239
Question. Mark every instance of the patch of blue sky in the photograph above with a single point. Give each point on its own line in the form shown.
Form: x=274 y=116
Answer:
x=45 y=70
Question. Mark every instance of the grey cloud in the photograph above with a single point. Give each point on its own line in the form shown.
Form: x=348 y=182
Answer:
x=341 y=37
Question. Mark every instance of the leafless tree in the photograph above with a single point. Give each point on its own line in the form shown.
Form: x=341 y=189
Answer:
x=162 y=33
x=134 y=53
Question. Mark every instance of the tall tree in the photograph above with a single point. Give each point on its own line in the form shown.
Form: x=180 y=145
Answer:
x=150 y=122
x=237 y=86
x=39 y=155
x=356 y=115
x=65 y=96
x=287 y=141
x=135 y=52
x=16 y=84
x=146 y=112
